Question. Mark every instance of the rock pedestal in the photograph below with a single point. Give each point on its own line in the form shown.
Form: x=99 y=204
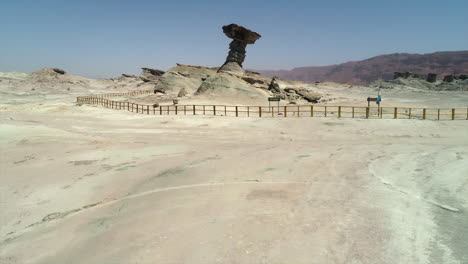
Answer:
x=241 y=38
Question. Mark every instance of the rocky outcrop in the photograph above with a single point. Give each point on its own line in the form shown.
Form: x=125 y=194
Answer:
x=397 y=75
x=59 y=71
x=150 y=75
x=252 y=80
x=129 y=76
x=241 y=38
x=449 y=78
x=275 y=88
x=309 y=96
x=431 y=77
x=293 y=93
x=405 y=75
x=183 y=76
x=226 y=85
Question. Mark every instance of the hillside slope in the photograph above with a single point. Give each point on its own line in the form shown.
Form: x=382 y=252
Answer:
x=366 y=71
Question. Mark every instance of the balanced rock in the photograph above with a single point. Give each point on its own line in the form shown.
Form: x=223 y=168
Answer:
x=241 y=38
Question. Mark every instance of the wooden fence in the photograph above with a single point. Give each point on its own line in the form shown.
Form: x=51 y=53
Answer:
x=457 y=113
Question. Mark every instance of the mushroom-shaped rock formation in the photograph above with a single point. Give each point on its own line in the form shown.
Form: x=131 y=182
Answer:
x=241 y=38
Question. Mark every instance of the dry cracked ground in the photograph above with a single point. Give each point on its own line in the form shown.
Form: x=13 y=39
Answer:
x=81 y=184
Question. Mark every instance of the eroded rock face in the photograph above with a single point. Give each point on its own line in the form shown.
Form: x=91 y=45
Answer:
x=150 y=75
x=241 y=38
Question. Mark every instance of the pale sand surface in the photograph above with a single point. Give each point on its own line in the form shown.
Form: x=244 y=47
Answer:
x=82 y=184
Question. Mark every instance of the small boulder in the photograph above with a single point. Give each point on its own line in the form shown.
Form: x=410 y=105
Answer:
x=159 y=90
x=182 y=93
x=309 y=96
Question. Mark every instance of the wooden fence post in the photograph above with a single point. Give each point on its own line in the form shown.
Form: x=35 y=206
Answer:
x=409 y=113
x=367 y=112
x=298 y=112
x=176 y=109
x=453 y=113
x=203 y=109
x=237 y=112
x=424 y=114
x=339 y=111
x=259 y=111
x=285 y=111
x=325 y=111
x=160 y=110
x=147 y=109
x=311 y=111
x=248 y=111
x=185 y=110
x=194 y=110
x=395 y=113
x=352 y=110
x=225 y=112
x=214 y=109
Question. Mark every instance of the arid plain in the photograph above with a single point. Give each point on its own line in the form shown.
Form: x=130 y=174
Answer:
x=85 y=184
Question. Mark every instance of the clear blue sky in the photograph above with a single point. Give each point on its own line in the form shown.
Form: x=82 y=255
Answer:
x=104 y=38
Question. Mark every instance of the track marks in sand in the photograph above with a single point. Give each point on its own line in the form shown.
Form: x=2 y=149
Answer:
x=400 y=190
x=61 y=215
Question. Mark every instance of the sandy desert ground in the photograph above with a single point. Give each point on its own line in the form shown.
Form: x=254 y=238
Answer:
x=82 y=184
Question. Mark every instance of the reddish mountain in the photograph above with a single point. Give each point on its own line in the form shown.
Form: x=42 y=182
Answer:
x=366 y=71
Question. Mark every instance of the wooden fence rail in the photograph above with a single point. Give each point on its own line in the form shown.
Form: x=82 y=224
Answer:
x=455 y=113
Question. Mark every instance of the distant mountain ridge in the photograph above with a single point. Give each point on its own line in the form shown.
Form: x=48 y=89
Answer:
x=383 y=66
